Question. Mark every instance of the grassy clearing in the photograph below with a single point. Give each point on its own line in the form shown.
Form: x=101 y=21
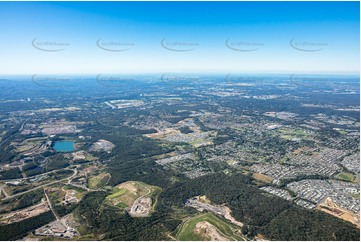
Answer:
x=71 y=187
x=289 y=134
x=186 y=232
x=343 y=132
x=345 y=176
x=283 y=160
x=117 y=192
x=98 y=181
x=80 y=193
x=124 y=194
x=297 y=132
x=122 y=205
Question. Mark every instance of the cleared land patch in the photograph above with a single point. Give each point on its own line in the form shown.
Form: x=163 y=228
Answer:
x=138 y=198
x=208 y=231
x=196 y=138
x=26 y=213
x=102 y=145
x=208 y=227
x=201 y=203
x=291 y=134
x=345 y=176
x=330 y=207
x=32 y=146
x=262 y=177
x=99 y=180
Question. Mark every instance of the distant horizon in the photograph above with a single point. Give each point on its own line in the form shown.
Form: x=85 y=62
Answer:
x=188 y=73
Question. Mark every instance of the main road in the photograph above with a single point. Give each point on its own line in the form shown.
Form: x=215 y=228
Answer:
x=75 y=170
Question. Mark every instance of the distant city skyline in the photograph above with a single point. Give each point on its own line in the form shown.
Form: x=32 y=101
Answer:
x=179 y=37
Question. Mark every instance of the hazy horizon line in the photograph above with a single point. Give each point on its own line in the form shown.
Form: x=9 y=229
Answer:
x=187 y=73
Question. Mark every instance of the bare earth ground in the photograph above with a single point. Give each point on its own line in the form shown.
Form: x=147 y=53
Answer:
x=161 y=133
x=330 y=207
x=135 y=196
x=26 y=213
x=208 y=231
x=141 y=207
x=222 y=210
x=262 y=177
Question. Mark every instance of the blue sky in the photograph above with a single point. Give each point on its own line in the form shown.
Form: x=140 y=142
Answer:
x=209 y=37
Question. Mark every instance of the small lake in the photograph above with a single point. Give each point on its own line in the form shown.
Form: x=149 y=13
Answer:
x=64 y=146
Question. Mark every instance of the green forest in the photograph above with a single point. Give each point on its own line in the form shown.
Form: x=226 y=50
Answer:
x=270 y=216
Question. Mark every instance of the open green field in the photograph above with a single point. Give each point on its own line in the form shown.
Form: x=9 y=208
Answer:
x=80 y=193
x=98 y=181
x=225 y=229
x=345 y=176
x=342 y=132
x=292 y=133
x=117 y=192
